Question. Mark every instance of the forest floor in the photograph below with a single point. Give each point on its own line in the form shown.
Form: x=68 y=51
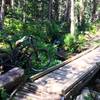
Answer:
x=92 y=39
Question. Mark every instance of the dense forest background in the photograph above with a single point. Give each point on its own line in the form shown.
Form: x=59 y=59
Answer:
x=64 y=12
x=50 y=21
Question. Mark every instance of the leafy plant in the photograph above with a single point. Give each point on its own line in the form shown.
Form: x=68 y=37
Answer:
x=12 y=25
x=70 y=43
x=93 y=29
x=74 y=43
x=55 y=30
x=81 y=41
x=3 y=94
x=88 y=97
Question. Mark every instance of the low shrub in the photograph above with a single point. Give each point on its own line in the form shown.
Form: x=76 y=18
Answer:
x=93 y=29
x=74 y=43
x=3 y=94
x=70 y=43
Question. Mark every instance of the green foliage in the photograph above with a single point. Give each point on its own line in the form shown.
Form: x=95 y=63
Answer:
x=32 y=18
x=3 y=94
x=81 y=42
x=52 y=51
x=88 y=97
x=81 y=39
x=86 y=21
x=12 y=25
x=52 y=29
x=70 y=42
x=93 y=29
x=74 y=44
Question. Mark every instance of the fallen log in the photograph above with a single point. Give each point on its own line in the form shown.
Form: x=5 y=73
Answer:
x=11 y=78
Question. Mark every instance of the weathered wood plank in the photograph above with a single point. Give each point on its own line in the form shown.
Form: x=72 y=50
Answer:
x=76 y=88
x=11 y=78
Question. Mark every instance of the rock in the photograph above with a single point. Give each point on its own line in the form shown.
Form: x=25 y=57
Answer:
x=95 y=95
x=84 y=94
x=11 y=78
x=88 y=94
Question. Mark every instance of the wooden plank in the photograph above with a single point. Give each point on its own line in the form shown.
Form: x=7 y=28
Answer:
x=67 y=88
x=55 y=81
x=77 y=87
x=36 y=96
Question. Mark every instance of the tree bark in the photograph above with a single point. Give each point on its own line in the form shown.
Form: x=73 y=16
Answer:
x=81 y=10
x=24 y=10
x=56 y=10
x=94 y=8
x=50 y=9
x=67 y=11
x=72 y=27
x=12 y=4
x=2 y=14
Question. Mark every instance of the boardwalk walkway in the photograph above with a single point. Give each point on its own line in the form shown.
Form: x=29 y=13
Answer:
x=60 y=83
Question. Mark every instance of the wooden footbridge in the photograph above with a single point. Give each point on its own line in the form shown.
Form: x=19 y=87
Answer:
x=62 y=81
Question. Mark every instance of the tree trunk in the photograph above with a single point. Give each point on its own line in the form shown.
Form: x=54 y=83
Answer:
x=72 y=27
x=19 y=4
x=81 y=10
x=24 y=8
x=67 y=11
x=12 y=4
x=50 y=9
x=56 y=10
x=94 y=9
x=2 y=14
